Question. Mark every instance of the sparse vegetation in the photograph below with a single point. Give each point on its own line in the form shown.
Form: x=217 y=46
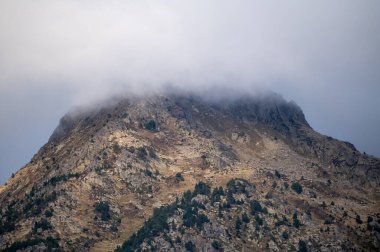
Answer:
x=61 y=178
x=286 y=185
x=202 y=188
x=152 y=152
x=302 y=247
x=192 y=217
x=49 y=242
x=329 y=220
x=150 y=125
x=297 y=187
x=35 y=204
x=8 y=219
x=106 y=164
x=238 y=186
x=178 y=240
x=148 y=173
x=259 y=220
x=274 y=184
x=358 y=219
x=312 y=194
x=245 y=218
x=43 y=224
x=116 y=148
x=103 y=209
x=238 y=224
x=257 y=208
x=142 y=153
x=216 y=245
x=217 y=193
x=48 y=213
x=205 y=144
x=285 y=235
x=296 y=222
x=283 y=221
x=189 y=246
x=277 y=174
x=230 y=199
x=130 y=149
x=179 y=176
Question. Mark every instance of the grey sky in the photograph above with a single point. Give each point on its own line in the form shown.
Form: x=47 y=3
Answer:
x=54 y=55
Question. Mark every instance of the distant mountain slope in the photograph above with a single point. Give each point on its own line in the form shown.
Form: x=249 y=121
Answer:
x=105 y=170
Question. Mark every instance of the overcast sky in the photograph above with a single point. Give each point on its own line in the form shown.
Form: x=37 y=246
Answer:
x=324 y=55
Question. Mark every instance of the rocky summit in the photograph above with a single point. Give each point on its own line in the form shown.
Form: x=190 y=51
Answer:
x=184 y=173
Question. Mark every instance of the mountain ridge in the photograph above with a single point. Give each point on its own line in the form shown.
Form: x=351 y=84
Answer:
x=128 y=155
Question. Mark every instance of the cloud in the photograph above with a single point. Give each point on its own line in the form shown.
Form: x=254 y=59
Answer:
x=94 y=47
x=322 y=54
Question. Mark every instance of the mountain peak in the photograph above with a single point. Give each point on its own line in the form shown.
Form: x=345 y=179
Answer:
x=119 y=174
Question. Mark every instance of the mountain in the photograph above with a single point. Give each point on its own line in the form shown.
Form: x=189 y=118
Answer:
x=179 y=172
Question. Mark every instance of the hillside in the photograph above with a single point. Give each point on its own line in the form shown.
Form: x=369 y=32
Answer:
x=104 y=170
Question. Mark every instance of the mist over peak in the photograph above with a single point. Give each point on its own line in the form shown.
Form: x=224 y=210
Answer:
x=111 y=112
x=58 y=55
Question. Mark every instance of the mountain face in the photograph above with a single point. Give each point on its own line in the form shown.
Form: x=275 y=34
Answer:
x=183 y=173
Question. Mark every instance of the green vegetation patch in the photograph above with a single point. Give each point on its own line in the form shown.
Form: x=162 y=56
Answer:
x=297 y=187
x=103 y=209
x=192 y=216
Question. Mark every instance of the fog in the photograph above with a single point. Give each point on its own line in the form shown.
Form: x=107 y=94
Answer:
x=55 y=55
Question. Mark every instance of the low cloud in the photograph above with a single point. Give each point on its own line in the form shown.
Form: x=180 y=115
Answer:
x=97 y=47
x=324 y=55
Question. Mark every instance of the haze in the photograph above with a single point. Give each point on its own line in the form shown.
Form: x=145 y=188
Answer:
x=54 y=55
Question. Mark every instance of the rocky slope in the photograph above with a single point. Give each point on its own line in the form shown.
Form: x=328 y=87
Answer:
x=104 y=171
